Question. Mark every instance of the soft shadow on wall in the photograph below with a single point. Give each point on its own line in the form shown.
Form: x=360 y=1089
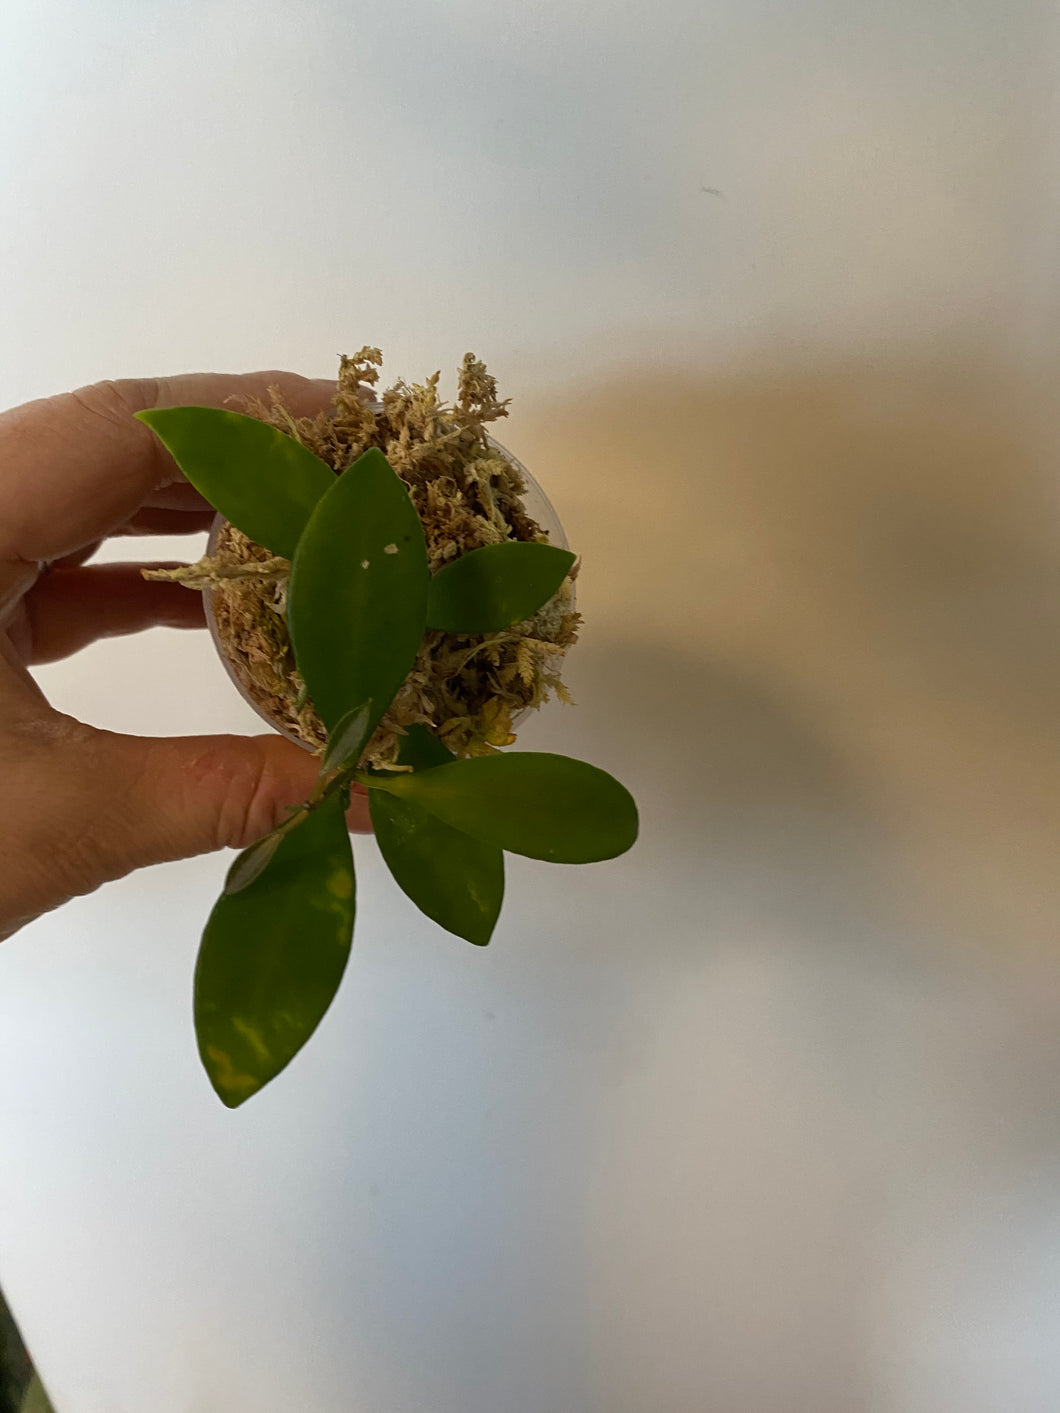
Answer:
x=872 y=542
x=824 y=641
x=805 y=1035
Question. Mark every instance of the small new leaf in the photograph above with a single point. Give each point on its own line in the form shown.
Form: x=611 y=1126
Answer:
x=491 y=588
x=273 y=954
x=347 y=740
x=251 y=863
x=544 y=806
x=260 y=479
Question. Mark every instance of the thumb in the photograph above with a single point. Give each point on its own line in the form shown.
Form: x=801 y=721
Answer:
x=158 y=799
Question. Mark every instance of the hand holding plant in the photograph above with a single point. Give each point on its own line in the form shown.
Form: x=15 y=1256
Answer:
x=82 y=805
x=372 y=633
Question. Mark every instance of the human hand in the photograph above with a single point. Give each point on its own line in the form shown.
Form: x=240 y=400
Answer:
x=83 y=806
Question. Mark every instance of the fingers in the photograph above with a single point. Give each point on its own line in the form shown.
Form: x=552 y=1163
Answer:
x=21 y=698
x=68 y=608
x=192 y=795
x=179 y=496
x=147 y=522
x=180 y=796
x=151 y=521
x=74 y=467
x=88 y=806
x=78 y=556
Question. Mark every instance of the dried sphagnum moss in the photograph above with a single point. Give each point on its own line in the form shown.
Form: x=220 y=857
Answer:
x=468 y=494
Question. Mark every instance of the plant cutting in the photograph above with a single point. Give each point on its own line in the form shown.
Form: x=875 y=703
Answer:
x=382 y=594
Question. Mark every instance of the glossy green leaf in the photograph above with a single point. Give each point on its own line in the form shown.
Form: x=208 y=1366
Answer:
x=545 y=806
x=252 y=863
x=347 y=739
x=456 y=880
x=260 y=479
x=493 y=587
x=272 y=956
x=357 y=596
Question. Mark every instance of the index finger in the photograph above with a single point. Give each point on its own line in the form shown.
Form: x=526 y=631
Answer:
x=76 y=466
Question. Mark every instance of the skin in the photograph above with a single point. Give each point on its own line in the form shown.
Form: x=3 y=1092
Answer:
x=84 y=806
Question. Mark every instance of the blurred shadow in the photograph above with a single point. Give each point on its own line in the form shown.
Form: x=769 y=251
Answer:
x=872 y=542
x=823 y=645
x=746 y=804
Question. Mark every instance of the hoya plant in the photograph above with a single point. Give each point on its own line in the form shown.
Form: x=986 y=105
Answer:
x=396 y=648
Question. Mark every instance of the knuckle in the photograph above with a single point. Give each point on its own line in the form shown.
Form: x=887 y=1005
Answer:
x=116 y=399
x=245 y=813
x=265 y=794
x=238 y=775
x=110 y=406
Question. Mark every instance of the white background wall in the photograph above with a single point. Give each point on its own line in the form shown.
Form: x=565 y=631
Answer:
x=763 y=1118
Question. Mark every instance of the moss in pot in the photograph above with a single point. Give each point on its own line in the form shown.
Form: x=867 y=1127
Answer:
x=382 y=593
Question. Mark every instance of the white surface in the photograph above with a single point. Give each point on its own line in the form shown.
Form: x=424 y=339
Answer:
x=763 y=1118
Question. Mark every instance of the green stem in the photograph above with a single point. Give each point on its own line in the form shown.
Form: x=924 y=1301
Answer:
x=373 y=782
x=325 y=787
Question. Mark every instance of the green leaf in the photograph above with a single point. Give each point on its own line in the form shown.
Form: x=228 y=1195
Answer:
x=493 y=587
x=422 y=749
x=545 y=806
x=251 y=863
x=272 y=956
x=357 y=596
x=35 y=1399
x=347 y=740
x=456 y=880
x=260 y=479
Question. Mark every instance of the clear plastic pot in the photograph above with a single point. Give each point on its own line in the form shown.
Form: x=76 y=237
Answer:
x=538 y=507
